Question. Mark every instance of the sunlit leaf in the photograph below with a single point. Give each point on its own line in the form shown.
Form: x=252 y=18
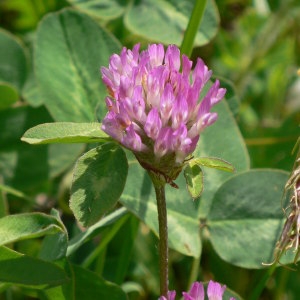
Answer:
x=65 y=132
x=25 y=226
x=67 y=71
x=98 y=182
x=215 y=163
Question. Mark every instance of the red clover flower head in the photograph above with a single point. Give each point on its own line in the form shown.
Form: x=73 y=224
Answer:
x=153 y=106
x=215 y=291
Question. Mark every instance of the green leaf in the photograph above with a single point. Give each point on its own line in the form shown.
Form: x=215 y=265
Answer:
x=215 y=163
x=94 y=230
x=194 y=179
x=106 y=9
x=119 y=250
x=13 y=64
x=68 y=70
x=23 y=166
x=64 y=291
x=168 y=20
x=246 y=217
x=20 y=269
x=84 y=284
x=8 y=95
x=65 y=132
x=98 y=182
x=223 y=140
x=26 y=226
x=54 y=246
x=89 y=285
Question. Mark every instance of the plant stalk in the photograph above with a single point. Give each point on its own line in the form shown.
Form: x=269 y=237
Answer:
x=257 y=290
x=159 y=186
x=192 y=28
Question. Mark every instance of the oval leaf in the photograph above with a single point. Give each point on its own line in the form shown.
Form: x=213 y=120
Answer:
x=246 y=217
x=65 y=132
x=68 y=70
x=194 y=180
x=98 y=182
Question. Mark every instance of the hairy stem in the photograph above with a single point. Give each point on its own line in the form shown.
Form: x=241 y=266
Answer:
x=159 y=185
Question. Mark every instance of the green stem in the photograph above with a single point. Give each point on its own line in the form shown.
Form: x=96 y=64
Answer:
x=192 y=28
x=262 y=283
x=159 y=185
x=281 y=286
x=194 y=271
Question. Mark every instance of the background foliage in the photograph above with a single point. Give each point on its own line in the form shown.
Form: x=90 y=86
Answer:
x=50 y=55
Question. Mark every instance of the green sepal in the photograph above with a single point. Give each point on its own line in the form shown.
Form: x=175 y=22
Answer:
x=215 y=163
x=194 y=179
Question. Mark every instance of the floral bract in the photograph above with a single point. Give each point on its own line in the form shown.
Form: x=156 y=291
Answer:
x=154 y=107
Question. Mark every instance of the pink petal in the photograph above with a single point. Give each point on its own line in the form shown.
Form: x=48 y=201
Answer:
x=215 y=290
x=196 y=292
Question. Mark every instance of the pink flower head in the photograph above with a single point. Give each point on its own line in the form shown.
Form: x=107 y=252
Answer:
x=215 y=291
x=154 y=107
x=171 y=296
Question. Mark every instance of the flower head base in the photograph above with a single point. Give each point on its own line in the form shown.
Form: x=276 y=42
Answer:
x=153 y=106
x=215 y=291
